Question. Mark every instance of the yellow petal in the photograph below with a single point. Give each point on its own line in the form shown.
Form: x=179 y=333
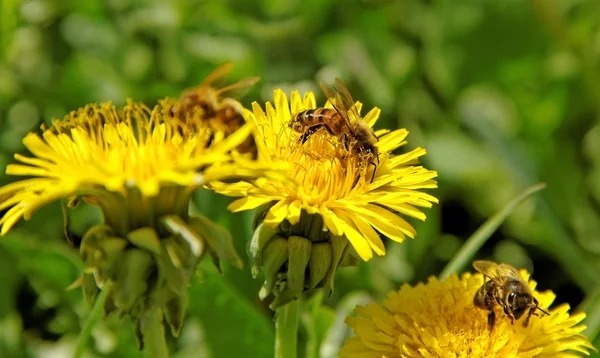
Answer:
x=357 y=241
x=248 y=203
x=277 y=213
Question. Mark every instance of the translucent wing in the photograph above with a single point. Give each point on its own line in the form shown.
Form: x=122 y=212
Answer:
x=238 y=89
x=346 y=98
x=336 y=101
x=217 y=73
x=498 y=273
x=235 y=90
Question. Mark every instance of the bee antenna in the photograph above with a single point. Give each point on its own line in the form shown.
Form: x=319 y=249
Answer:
x=543 y=311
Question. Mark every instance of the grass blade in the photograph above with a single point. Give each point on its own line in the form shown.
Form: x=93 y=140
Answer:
x=479 y=237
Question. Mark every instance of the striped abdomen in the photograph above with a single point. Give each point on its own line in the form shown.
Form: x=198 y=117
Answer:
x=308 y=122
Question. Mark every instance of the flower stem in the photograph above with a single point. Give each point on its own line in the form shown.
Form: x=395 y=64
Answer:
x=286 y=330
x=92 y=318
x=153 y=333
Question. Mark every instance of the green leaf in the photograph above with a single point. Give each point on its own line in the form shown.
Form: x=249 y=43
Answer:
x=591 y=307
x=233 y=327
x=476 y=241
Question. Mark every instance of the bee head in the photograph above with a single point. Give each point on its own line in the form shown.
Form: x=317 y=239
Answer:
x=519 y=298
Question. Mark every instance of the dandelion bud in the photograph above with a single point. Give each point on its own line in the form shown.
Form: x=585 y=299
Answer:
x=296 y=259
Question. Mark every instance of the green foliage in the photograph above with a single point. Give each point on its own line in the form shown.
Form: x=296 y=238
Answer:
x=502 y=94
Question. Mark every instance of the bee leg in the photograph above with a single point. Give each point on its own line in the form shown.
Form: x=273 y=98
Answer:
x=346 y=142
x=308 y=132
x=374 y=170
x=529 y=314
x=491 y=319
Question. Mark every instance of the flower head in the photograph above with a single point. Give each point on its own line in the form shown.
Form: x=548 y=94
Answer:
x=140 y=166
x=102 y=150
x=326 y=180
x=439 y=319
x=336 y=201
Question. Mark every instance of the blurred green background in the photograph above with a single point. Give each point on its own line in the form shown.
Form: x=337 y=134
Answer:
x=503 y=94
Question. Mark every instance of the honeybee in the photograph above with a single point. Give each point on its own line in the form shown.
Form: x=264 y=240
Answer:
x=221 y=113
x=506 y=288
x=342 y=120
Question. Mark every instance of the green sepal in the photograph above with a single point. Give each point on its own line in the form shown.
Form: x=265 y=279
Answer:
x=174 y=311
x=92 y=242
x=177 y=226
x=260 y=238
x=313 y=227
x=90 y=289
x=109 y=255
x=299 y=250
x=339 y=250
x=67 y=221
x=260 y=213
x=169 y=276
x=139 y=335
x=109 y=305
x=320 y=261
x=178 y=252
x=145 y=238
x=275 y=255
x=218 y=238
x=131 y=282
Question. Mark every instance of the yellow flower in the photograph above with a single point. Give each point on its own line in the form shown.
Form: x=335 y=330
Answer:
x=438 y=319
x=107 y=154
x=327 y=181
x=140 y=166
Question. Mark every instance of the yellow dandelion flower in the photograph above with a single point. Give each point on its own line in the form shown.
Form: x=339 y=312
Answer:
x=335 y=203
x=140 y=166
x=439 y=319
x=102 y=151
x=325 y=180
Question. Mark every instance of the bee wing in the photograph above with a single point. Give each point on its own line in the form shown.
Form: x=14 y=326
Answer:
x=508 y=271
x=490 y=270
x=238 y=89
x=217 y=73
x=346 y=98
x=336 y=101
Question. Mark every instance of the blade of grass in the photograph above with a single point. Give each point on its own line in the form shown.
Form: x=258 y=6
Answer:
x=479 y=237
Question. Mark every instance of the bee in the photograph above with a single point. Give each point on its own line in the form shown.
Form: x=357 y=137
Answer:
x=342 y=120
x=506 y=288
x=209 y=104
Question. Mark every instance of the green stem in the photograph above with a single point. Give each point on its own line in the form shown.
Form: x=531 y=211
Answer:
x=312 y=324
x=479 y=237
x=92 y=318
x=286 y=330
x=153 y=333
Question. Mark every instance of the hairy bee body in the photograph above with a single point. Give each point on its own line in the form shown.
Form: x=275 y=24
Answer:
x=206 y=103
x=343 y=120
x=507 y=289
